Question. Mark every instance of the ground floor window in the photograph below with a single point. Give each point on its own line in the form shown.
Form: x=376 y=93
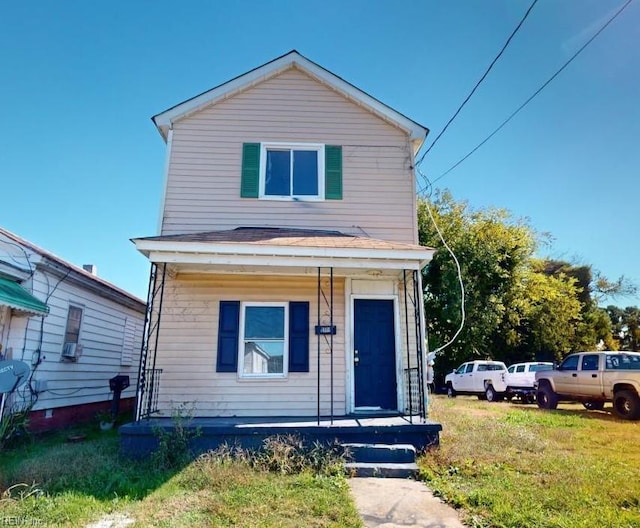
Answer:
x=263 y=339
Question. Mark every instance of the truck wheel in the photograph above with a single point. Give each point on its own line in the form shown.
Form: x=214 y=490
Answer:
x=626 y=405
x=491 y=394
x=594 y=405
x=450 y=392
x=547 y=399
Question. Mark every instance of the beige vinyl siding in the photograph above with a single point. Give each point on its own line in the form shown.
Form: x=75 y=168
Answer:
x=188 y=342
x=407 y=326
x=101 y=336
x=203 y=186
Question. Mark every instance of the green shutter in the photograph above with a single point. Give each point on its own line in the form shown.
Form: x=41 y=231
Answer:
x=333 y=172
x=250 y=170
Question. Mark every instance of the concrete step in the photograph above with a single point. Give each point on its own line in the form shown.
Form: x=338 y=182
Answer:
x=381 y=470
x=382 y=453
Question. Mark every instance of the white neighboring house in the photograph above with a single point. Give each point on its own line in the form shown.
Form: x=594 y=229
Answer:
x=75 y=330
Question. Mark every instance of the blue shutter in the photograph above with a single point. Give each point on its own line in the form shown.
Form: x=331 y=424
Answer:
x=299 y=337
x=333 y=172
x=250 y=170
x=228 y=328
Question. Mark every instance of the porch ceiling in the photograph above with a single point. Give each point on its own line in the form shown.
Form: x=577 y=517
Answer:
x=311 y=271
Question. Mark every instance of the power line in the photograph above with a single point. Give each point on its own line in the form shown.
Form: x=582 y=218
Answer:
x=463 y=314
x=506 y=44
x=544 y=85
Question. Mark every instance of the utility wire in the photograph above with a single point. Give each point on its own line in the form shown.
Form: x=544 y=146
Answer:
x=569 y=61
x=506 y=44
x=463 y=315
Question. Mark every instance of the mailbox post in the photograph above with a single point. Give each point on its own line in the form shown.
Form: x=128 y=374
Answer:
x=117 y=384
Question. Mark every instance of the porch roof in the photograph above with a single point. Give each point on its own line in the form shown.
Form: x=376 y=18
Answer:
x=284 y=247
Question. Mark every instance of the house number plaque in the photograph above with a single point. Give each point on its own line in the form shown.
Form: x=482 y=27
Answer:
x=325 y=330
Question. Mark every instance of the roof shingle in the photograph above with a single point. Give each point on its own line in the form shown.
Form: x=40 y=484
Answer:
x=277 y=236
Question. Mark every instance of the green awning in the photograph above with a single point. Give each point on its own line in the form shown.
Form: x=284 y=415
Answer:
x=15 y=296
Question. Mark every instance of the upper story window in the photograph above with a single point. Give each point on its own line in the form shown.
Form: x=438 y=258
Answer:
x=291 y=171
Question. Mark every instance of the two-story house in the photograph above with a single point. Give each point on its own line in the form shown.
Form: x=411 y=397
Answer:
x=286 y=276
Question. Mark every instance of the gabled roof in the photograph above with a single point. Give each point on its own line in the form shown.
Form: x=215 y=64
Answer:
x=54 y=263
x=293 y=59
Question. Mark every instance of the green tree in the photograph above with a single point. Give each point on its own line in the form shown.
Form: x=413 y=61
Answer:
x=593 y=329
x=493 y=250
x=517 y=307
x=551 y=315
x=625 y=326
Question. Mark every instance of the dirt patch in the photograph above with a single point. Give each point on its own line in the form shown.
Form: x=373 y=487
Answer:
x=115 y=520
x=484 y=413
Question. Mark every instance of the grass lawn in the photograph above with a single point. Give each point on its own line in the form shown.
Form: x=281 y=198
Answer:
x=513 y=465
x=75 y=484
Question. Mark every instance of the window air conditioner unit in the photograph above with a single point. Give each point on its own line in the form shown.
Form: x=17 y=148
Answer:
x=71 y=351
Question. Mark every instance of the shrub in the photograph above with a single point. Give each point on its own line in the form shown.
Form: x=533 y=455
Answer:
x=174 y=446
x=14 y=426
x=283 y=454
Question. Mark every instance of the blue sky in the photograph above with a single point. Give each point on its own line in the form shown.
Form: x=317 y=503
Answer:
x=81 y=164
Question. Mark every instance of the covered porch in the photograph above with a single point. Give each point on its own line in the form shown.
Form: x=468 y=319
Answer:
x=361 y=294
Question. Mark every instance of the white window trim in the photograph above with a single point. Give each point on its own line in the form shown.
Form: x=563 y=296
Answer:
x=319 y=147
x=285 y=355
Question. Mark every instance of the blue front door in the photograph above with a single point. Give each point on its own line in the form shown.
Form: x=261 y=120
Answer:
x=374 y=354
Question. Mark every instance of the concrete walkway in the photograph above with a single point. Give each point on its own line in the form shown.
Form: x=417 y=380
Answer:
x=400 y=503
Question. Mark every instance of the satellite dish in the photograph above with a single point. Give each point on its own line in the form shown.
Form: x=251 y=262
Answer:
x=13 y=373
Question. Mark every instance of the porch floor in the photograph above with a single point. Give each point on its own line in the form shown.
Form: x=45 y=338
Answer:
x=138 y=439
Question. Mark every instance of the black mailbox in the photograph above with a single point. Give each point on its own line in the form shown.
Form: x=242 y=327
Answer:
x=119 y=383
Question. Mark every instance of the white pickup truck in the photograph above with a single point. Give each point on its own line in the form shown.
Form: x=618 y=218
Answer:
x=521 y=379
x=485 y=379
x=594 y=378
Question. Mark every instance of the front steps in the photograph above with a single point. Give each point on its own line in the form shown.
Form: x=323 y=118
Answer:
x=382 y=460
